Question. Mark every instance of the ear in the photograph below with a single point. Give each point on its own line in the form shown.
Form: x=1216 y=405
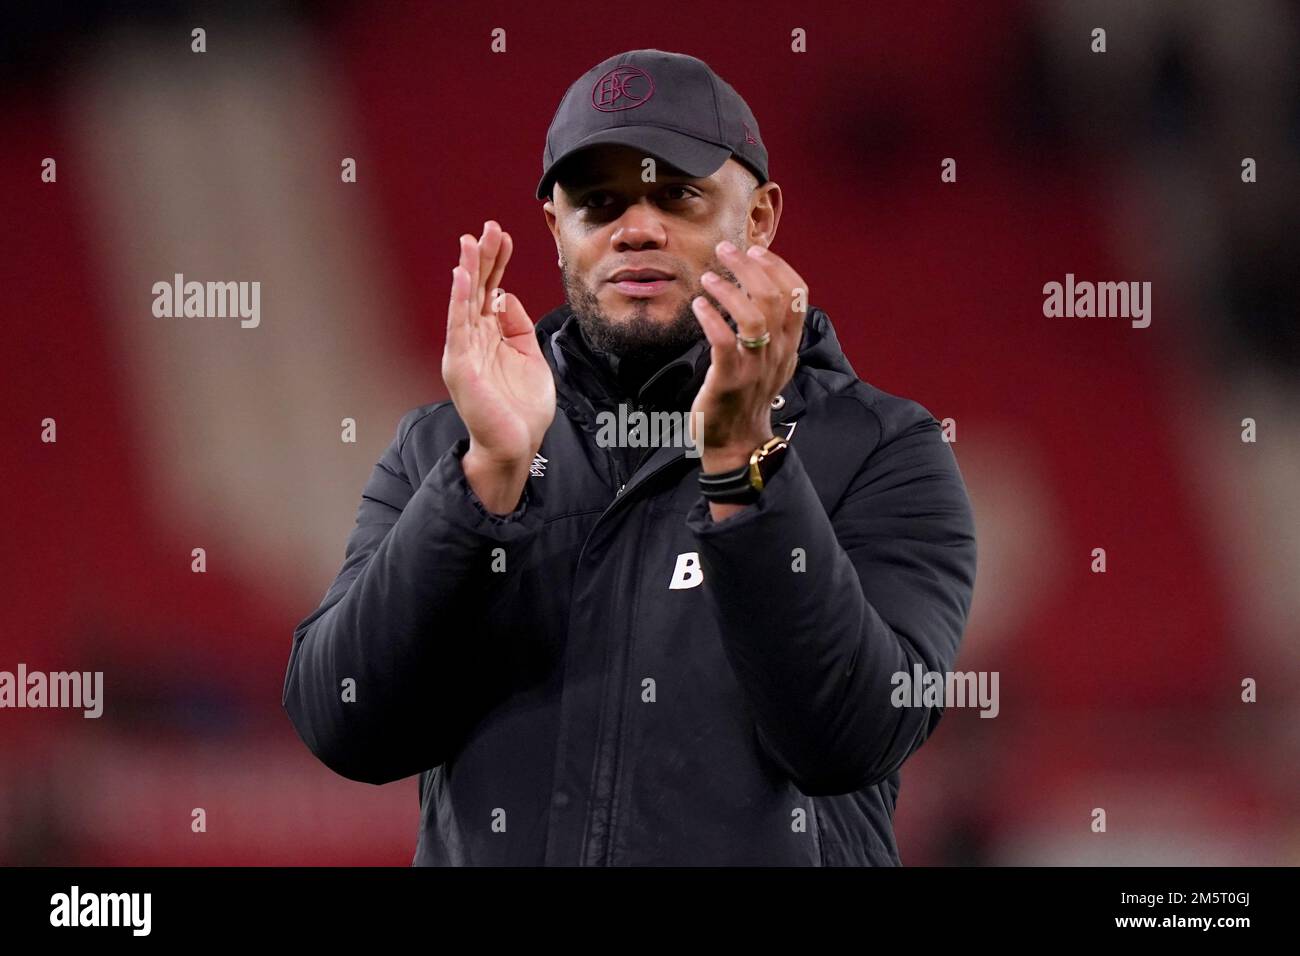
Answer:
x=764 y=214
x=553 y=224
x=552 y=220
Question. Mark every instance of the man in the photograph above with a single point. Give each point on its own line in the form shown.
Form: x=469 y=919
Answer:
x=595 y=650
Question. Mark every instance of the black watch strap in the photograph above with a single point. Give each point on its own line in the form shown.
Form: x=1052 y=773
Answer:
x=729 y=487
x=743 y=485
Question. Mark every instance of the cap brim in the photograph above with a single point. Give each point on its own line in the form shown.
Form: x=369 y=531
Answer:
x=694 y=157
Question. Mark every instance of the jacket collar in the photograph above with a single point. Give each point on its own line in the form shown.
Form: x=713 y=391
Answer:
x=671 y=388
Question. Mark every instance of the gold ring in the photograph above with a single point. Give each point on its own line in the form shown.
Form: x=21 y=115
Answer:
x=757 y=343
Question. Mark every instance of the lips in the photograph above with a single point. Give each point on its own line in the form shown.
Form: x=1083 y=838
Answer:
x=642 y=283
x=640 y=275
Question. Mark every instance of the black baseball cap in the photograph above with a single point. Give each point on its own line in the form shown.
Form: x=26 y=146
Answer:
x=670 y=105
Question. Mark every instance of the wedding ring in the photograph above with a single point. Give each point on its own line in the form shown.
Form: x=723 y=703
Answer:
x=757 y=343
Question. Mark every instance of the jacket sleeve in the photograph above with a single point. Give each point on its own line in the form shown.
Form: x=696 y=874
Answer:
x=888 y=584
x=399 y=622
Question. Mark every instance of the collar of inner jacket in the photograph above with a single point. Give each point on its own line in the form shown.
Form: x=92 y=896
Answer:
x=594 y=373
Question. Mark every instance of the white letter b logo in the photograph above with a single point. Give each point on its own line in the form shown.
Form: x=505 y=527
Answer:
x=687 y=574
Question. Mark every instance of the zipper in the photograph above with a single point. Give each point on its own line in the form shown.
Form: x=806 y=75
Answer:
x=618 y=472
x=622 y=699
x=618 y=495
x=614 y=463
x=615 y=762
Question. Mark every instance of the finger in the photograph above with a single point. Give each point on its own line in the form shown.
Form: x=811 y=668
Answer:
x=485 y=327
x=489 y=248
x=469 y=260
x=777 y=302
x=772 y=301
x=514 y=318
x=751 y=275
x=720 y=336
x=499 y=266
x=750 y=322
x=458 y=333
x=785 y=278
x=477 y=335
x=517 y=328
x=484 y=264
x=787 y=324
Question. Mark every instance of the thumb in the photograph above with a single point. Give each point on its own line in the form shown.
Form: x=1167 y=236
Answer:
x=517 y=327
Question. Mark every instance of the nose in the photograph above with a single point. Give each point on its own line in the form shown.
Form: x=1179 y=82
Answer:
x=640 y=227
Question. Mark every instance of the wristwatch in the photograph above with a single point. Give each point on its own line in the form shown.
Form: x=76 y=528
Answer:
x=742 y=486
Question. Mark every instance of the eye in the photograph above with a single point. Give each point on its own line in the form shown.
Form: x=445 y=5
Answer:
x=600 y=200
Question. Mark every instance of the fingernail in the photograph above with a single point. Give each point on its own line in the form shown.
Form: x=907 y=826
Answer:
x=709 y=277
x=725 y=247
x=757 y=251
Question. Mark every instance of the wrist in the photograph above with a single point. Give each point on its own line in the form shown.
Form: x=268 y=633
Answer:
x=714 y=461
x=498 y=483
x=734 y=489
x=495 y=464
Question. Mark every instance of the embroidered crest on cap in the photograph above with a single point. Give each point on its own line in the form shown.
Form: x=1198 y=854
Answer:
x=622 y=88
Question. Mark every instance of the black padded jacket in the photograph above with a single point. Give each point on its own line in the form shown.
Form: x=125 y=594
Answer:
x=606 y=676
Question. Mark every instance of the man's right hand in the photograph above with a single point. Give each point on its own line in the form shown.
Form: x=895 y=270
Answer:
x=498 y=378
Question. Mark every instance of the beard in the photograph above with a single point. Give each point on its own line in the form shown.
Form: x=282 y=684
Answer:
x=640 y=344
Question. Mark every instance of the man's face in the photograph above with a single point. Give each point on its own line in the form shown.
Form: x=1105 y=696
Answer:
x=606 y=221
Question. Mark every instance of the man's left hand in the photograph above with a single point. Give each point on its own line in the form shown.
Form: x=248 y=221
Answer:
x=734 y=403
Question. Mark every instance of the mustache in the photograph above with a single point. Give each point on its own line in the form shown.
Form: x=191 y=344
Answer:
x=633 y=335
x=572 y=279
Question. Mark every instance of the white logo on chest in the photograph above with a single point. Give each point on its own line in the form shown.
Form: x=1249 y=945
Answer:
x=688 y=573
x=538 y=468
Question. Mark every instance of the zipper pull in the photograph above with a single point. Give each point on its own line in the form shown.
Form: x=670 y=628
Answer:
x=620 y=490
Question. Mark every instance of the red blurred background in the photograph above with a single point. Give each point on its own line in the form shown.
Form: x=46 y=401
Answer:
x=1119 y=690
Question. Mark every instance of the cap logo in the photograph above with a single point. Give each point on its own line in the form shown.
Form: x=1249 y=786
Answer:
x=622 y=88
x=749 y=137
